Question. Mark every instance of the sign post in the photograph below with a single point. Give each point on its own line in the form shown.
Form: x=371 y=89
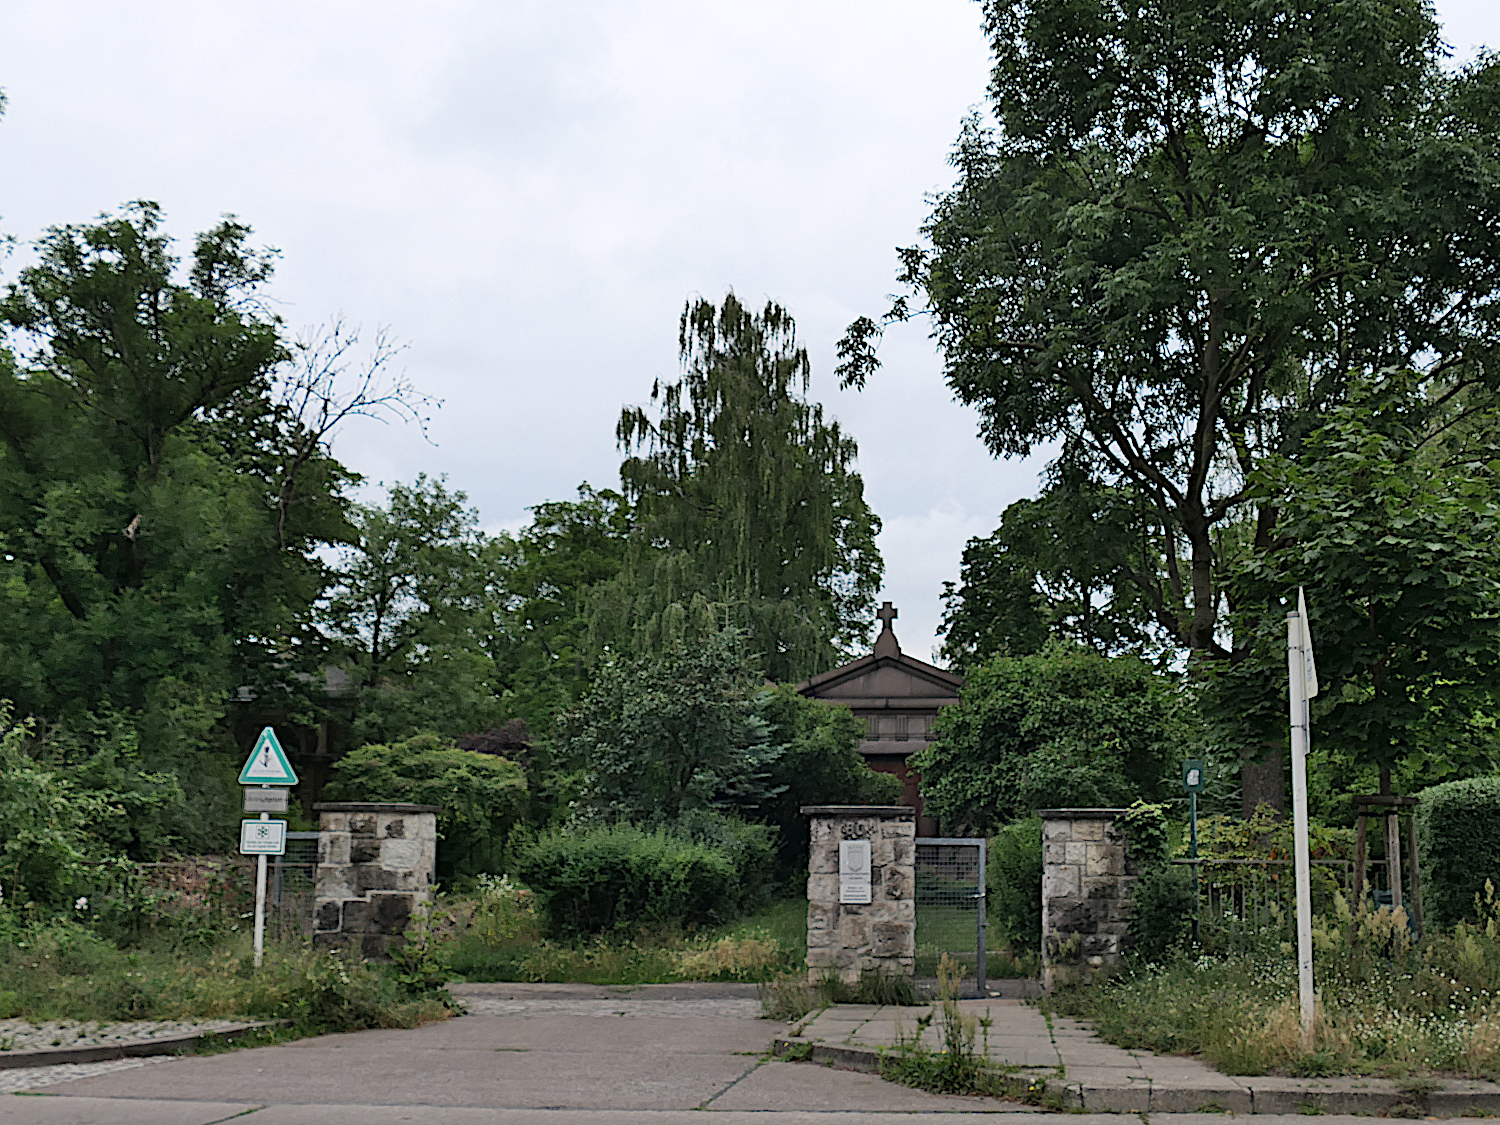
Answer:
x=267 y=767
x=1192 y=781
x=1302 y=677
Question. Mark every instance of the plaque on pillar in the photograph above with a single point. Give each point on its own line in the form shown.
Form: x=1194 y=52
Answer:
x=854 y=871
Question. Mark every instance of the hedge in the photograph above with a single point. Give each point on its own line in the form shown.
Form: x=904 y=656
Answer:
x=619 y=878
x=1458 y=837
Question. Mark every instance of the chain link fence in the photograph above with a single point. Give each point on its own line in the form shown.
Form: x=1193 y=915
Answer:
x=951 y=905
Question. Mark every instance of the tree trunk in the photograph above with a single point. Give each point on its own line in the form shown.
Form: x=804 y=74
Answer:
x=1263 y=781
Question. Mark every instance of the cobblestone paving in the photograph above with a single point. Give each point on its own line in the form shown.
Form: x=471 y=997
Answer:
x=31 y=1077
x=19 y=1035
x=660 y=1009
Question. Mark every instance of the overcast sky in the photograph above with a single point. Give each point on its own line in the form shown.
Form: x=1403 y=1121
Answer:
x=527 y=193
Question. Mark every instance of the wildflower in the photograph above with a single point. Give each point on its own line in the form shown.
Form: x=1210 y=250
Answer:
x=81 y=904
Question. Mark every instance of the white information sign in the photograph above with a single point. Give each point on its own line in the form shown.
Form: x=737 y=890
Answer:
x=262 y=837
x=854 y=871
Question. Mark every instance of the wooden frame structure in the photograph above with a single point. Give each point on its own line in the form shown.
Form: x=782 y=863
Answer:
x=1393 y=809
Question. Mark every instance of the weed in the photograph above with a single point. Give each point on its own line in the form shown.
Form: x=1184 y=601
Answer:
x=787 y=1000
x=1310 y=1109
x=796 y=1052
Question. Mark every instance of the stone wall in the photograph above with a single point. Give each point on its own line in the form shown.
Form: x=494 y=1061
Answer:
x=1087 y=878
x=847 y=939
x=376 y=862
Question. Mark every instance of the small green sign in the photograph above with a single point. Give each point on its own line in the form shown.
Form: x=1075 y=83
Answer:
x=267 y=764
x=1192 y=776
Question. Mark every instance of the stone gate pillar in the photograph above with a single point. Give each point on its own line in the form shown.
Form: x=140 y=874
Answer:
x=1087 y=879
x=861 y=920
x=376 y=862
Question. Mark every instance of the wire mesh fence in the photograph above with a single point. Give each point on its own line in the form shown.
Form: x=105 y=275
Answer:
x=951 y=905
x=221 y=889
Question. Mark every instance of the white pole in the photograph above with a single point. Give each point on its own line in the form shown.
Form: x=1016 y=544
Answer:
x=260 y=903
x=1296 y=639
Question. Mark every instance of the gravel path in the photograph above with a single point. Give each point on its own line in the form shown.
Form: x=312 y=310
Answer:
x=31 y=1077
x=20 y=1035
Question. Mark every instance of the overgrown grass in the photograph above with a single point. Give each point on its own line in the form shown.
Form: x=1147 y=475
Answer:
x=63 y=971
x=502 y=940
x=1385 y=1006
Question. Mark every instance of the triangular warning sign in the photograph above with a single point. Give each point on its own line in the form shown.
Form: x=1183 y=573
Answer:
x=267 y=764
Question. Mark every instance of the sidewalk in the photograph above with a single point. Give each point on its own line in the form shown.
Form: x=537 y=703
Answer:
x=1098 y=1077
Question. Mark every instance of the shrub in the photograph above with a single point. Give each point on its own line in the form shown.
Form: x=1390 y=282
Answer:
x=750 y=848
x=1162 y=907
x=481 y=796
x=1458 y=837
x=1015 y=882
x=620 y=878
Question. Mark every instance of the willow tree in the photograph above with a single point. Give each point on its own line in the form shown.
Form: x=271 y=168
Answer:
x=748 y=511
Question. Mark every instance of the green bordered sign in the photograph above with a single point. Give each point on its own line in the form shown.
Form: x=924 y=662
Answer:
x=267 y=764
x=262 y=837
x=1192 y=776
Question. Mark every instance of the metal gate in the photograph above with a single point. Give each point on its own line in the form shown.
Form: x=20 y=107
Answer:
x=289 y=886
x=950 y=905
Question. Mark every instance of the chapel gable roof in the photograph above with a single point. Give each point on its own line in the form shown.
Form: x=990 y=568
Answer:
x=887 y=678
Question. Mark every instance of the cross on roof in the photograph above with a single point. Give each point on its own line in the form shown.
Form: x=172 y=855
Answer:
x=887 y=614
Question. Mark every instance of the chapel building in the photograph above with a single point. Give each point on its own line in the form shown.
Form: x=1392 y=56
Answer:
x=898 y=698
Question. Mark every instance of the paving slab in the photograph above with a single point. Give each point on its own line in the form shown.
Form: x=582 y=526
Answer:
x=777 y=1086
x=38 y=1109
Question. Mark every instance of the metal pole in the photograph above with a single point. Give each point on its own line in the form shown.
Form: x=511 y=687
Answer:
x=260 y=903
x=1193 y=855
x=981 y=967
x=1297 y=676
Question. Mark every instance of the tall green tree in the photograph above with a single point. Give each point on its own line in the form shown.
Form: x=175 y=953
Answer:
x=412 y=610
x=1189 y=227
x=748 y=510
x=1057 y=567
x=541 y=646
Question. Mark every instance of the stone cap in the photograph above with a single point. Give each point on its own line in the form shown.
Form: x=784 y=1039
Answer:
x=1062 y=814
x=373 y=806
x=858 y=810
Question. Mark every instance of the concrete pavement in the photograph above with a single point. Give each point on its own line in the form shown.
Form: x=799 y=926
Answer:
x=1100 y=1077
x=668 y=1055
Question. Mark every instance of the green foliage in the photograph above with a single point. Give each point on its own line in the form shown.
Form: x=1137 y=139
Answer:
x=412 y=609
x=620 y=878
x=1389 y=514
x=63 y=971
x=748 y=509
x=1066 y=727
x=1015 y=883
x=661 y=735
x=1190 y=228
x=1458 y=838
x=819 y=764
x=1057 y=567
x=153 y=554
x=1385 y=1006
x=1146 y=833
x=1162 y=908
x=481 y=796
x=542 y=654
x=63 y=838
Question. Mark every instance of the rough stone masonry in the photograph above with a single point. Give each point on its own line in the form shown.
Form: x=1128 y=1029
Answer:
x=1088 y=876
x=847 y=939
x=376 y=862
